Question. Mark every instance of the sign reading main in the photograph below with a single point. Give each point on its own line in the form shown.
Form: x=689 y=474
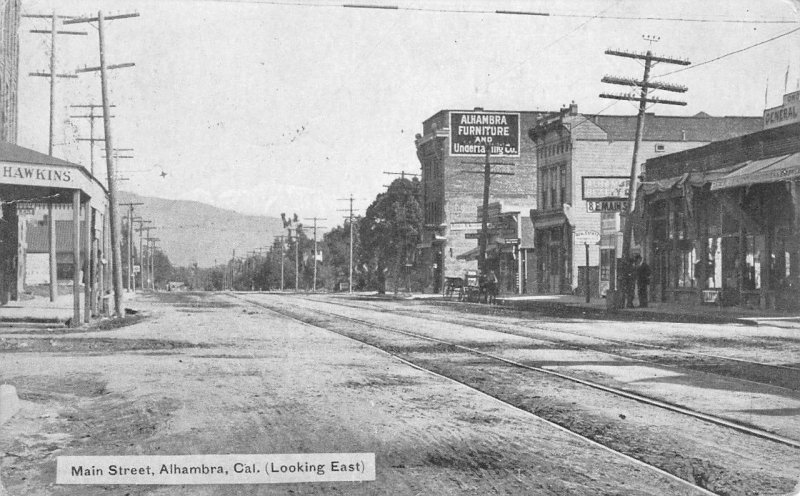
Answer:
x=472 y=132
x=606 y=187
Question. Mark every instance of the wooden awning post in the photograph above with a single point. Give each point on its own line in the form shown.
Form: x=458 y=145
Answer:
x=51 y=239
x=88 y=259
x=76 y=258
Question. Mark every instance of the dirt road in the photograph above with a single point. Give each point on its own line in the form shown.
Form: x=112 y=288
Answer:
x=203 y=374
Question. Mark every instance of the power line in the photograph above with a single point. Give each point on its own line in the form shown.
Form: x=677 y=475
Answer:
x=787 y=33
x=377 y=6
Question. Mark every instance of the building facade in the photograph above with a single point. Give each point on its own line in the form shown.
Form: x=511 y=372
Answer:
x=452 y=181
x=583 y=166
x=9 y=68
x=721 y=223
x=510 y=245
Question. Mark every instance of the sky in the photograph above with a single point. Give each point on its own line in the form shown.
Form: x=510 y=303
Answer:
x=268 y=107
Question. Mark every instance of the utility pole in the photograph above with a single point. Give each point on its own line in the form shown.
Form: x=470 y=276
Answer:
x=146 y=269
x=130 y=205
x=315 y=219
x=350 y=217
x=91 y=139
x=487 y=178
x=53 y=75
x=111 y=169
x=296 y=264
x=402 y=175
x=280 y=238
x=152 y=262
x=644 y=85
x=141 y=251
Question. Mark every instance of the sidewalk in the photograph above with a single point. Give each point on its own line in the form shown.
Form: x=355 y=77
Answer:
x=569 y=305
x=41 y=310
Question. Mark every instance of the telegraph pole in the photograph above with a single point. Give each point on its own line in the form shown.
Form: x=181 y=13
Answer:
x=91 y=139
x=53 y=75
x=644 y=85
x=141 y=252
x=280 y=238
x=152 y=251
x=315 y=219
x=487 y=178
x=149 y=255
x=112 y=183
x=351 y=237
x=130 y=205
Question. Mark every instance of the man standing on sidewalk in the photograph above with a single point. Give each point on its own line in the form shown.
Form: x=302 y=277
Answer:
x=642 y=272
x=627 y=278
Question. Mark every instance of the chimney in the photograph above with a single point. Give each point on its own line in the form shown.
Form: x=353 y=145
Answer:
x=573 y=108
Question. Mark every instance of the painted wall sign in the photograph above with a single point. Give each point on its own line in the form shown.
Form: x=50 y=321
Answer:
x=606 y=187
x=472 y=132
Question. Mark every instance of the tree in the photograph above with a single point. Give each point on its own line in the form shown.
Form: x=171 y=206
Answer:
x=335 y=267
x=162 y=267
x=390 y=232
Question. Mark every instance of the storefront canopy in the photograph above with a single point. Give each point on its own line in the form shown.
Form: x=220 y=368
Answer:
x=28 y=174
x=766 y=170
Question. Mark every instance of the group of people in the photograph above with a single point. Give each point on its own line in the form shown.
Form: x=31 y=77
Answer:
x=634 y=278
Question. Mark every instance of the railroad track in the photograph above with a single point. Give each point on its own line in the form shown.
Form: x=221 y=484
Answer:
x=461 y=320
x=750 y=430
x=290 y=315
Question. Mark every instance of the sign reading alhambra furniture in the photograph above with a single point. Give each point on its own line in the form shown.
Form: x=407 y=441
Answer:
x=471 y=132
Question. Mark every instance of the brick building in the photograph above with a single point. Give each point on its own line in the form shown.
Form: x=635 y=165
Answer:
x=583 y=163
x=451 y=192
x=9 y=68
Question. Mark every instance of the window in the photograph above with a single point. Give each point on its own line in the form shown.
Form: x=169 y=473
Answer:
x=562 y=181
x=543 y=180
x=660 y=148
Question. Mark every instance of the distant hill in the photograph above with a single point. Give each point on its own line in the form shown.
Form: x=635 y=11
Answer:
x=191 y=231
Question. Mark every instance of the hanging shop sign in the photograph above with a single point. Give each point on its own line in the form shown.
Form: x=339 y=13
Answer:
x=472 y=132
x=606 y=187
x=587 y=237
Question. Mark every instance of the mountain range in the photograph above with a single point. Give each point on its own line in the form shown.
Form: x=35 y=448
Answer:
x=193 y=232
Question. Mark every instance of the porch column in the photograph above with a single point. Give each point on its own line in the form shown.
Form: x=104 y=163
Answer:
x=51 y=239
x=89 y=259
x=76 y=258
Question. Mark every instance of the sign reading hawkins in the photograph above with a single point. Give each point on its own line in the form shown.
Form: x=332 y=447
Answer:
x=471 y=132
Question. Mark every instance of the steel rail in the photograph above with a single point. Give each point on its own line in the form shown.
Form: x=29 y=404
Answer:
x=550 y=423
x=609 y=389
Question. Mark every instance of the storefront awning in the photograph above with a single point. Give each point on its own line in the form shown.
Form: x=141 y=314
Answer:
x=469 y=255
x=767 y=170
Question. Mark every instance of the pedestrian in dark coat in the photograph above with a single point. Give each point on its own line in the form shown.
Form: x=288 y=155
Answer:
x=642 y=280
x=627 y=281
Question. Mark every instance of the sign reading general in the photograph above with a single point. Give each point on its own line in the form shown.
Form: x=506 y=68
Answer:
x=472 y=132
x=787 y=113
x=606 y=187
